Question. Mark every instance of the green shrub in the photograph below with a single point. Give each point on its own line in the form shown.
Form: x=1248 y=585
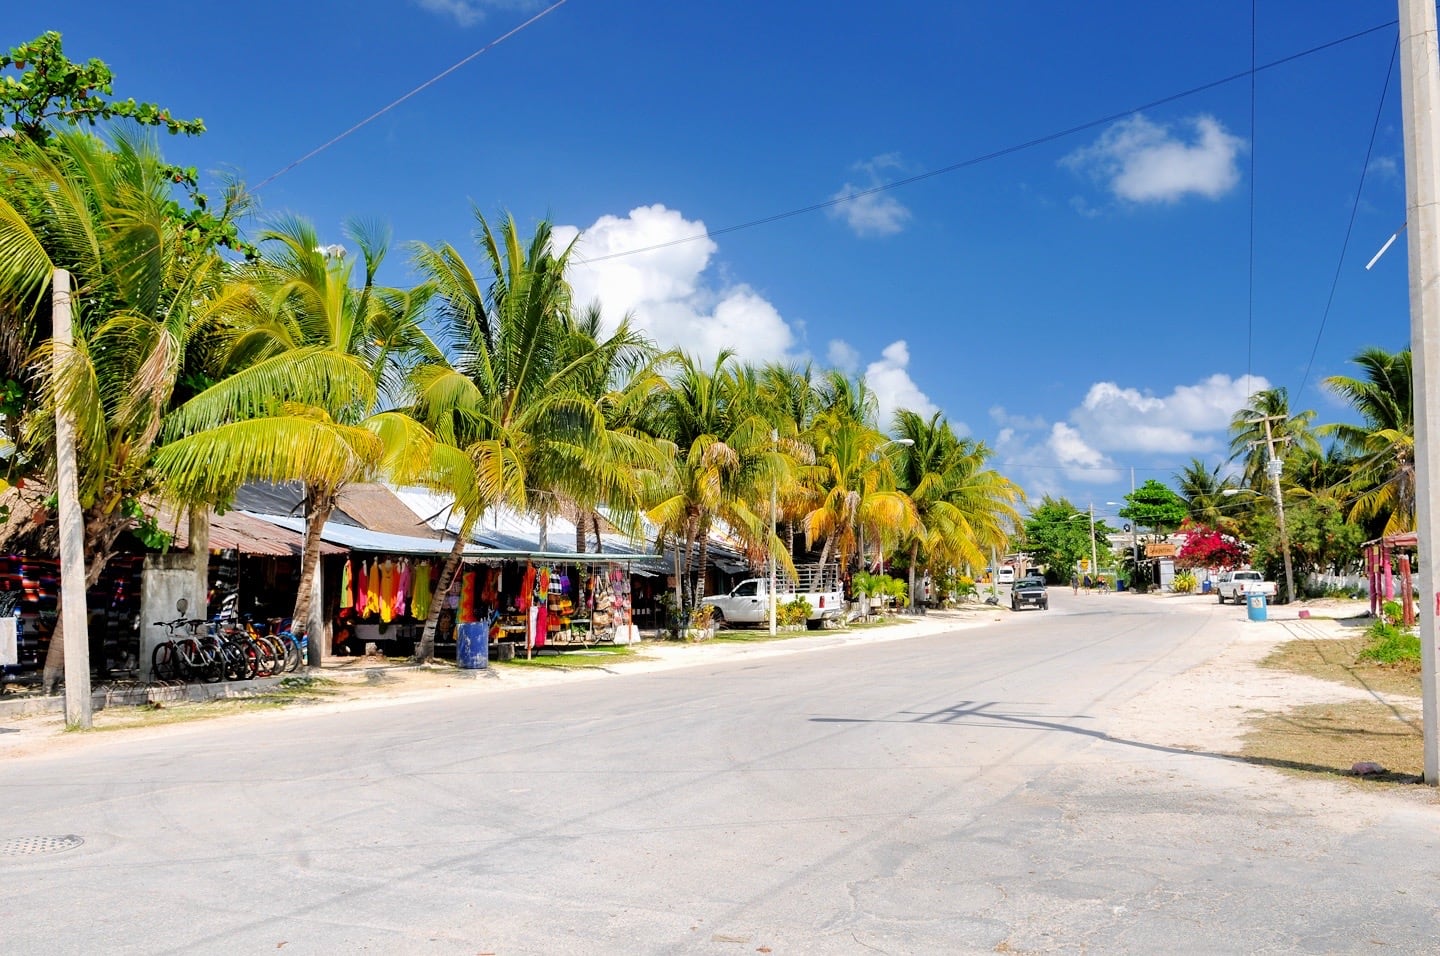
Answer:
x=1391 y=612
x=793 y=613
x=1390 y=644
x=1184 y=583
x=965 y=586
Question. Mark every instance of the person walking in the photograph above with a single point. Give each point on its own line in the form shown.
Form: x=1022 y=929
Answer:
x=1087 y=581
x=1074 y=583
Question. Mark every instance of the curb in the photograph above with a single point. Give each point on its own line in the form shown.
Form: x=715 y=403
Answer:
x=135 y=694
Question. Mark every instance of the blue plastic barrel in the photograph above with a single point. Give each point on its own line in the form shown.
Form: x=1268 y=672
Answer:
x=1255 y=605
x=472 y=646
x=1205 y=586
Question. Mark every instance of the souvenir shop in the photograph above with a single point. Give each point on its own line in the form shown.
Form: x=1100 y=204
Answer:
x=524 y=603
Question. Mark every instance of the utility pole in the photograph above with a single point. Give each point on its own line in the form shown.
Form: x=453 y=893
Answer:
x=1273 y=467
x=73 y=621
x=1420 y=97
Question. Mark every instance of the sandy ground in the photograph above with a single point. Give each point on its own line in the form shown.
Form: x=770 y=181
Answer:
x=1209 y=707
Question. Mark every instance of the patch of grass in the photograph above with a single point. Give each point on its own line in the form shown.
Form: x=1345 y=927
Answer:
x=1393 y=645
x=1328 y=739
x=577 y=659
x=1339 y=661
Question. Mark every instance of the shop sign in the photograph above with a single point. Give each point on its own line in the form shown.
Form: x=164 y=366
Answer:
x=1160 y=549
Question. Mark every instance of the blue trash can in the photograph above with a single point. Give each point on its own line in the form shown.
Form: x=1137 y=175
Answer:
x=472 y=646
x=1205 y=586
x=1255 y=605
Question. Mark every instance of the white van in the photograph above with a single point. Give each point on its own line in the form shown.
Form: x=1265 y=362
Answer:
x=1006 y=575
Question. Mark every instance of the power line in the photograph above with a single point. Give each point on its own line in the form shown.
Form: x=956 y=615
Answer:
x=394 y=103
x=1350 y=226
x=995 y=154
x=1250 y=275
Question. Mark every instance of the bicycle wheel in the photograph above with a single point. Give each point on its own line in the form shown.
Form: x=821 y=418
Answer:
x=164 y=664
x=294 y=660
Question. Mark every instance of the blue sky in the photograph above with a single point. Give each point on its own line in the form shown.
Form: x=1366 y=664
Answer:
x=1085 y=305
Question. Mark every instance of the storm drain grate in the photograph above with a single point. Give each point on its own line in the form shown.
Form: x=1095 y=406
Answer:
x=34 y=845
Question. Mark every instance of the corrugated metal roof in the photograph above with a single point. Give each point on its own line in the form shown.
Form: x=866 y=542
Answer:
x=247 y=534
x=376 y=542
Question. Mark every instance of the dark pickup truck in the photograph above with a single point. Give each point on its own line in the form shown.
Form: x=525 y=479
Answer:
x=1029 y=590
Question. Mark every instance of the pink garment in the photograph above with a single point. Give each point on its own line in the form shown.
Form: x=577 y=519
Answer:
x=402 y=589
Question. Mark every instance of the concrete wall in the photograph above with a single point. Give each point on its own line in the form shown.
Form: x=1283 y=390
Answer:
x=166 y=578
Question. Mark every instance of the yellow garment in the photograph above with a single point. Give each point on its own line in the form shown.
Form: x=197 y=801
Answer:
x=387 y=592
x=372 y=590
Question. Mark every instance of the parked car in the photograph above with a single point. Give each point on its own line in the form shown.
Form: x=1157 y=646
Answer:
x=1006 y=575
x=1233 y=586
x=1029 y=590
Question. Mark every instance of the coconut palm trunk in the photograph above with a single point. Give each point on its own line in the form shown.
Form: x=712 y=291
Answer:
x=426 y=650
x=914 y=556
x=320 y=503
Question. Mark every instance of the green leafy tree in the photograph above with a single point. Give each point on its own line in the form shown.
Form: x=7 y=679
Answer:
x=1155 y=507
x=1057 y=535
x=1203 y=490
x=1288 y=432
x=1322 y=539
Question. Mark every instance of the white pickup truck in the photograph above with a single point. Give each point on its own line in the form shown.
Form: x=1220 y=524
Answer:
x=749 y=601
x=1235 y=585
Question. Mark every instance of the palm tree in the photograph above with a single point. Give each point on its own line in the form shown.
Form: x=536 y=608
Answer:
x=724 y=465
x=145 y=287
x=315 y=364
x=1249 y=440
x=855 y=490
x=964 y=508
x=1383 y=481
x=1203 y=490
x=538 y=404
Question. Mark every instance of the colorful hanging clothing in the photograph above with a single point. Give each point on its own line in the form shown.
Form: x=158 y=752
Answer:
x=347 y=593
x=527 y=589
x=387 y=592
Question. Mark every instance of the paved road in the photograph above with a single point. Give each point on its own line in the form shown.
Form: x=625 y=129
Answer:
x=955 y=793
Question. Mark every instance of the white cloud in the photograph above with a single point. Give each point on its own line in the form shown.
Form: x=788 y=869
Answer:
x=894 y=389
x=1012 y=421
x=1079 y=461
x=843 y=355
x=1140 y=161
x=668 y=290
x=464 y=12
x=1191 y=420
x=874 y=213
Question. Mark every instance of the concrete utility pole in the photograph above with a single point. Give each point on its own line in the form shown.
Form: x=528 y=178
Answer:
x=1420 y=96
x=1094 y=556
x=73 y=621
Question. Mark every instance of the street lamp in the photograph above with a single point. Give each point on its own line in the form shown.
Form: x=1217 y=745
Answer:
x=1273 y=468
x=1094 y=557
x=775 y=445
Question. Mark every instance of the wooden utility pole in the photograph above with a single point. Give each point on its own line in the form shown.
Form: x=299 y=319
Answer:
x=1273 y=467
x=1420 y=96
x=73 y=623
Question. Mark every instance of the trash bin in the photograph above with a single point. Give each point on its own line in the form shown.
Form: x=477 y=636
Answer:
x=1255 y=605
x=1205 y=586
x=472 y=646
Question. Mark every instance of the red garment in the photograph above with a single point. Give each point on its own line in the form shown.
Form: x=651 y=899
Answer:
x=360 y=587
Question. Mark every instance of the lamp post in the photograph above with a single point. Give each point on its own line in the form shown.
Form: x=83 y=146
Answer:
x=1094 y=556
x=774 y=444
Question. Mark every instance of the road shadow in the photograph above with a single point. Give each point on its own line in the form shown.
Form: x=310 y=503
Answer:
x=980 y=713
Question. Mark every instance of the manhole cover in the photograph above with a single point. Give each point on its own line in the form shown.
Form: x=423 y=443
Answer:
x=32 y=845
